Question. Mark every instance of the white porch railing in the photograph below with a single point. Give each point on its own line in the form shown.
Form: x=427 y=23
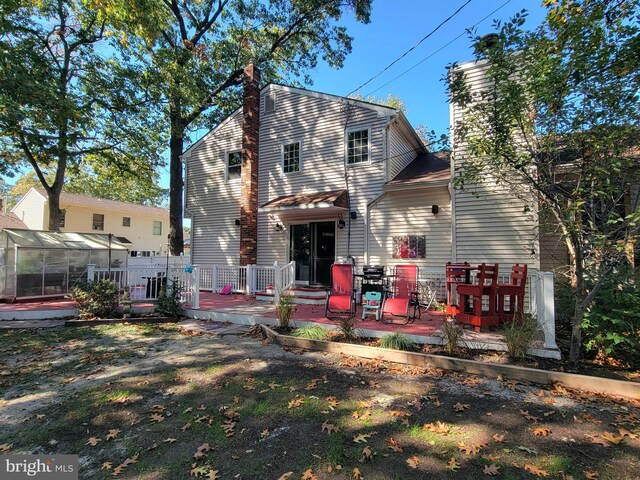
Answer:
x=144 y=283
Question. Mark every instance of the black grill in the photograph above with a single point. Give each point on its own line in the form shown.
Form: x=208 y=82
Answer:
x=372 y=272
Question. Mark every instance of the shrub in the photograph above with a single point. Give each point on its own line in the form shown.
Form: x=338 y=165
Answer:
x=397 y=341
x=96 y=299
x=312 y=332
x=519 y=335
x=284 y=309
x=347 y=329
x=452 y=335
x=612 y=325
x=170 y=299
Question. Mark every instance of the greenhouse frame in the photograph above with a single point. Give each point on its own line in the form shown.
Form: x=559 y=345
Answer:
x=38 y=263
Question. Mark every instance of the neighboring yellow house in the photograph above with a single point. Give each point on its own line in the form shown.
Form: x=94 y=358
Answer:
x=144 y=228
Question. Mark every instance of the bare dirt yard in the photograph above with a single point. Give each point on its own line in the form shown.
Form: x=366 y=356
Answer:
x=146 y=402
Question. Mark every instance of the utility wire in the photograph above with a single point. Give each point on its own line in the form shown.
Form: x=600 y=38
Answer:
x=411 y=49
x=439 y=50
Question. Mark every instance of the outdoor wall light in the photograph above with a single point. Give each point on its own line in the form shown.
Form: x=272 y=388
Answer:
x=353 y=215
x=341 y=224
x=279 y=227
x=237 y=221
x=435 y=209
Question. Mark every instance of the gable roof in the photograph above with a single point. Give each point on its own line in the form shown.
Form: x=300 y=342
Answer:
x=427 y=169
x=310 y=93
x=101 y=203
x=10 y=220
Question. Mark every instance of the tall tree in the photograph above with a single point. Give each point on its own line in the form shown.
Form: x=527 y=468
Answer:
x=194 y=52
x=65 y=97
x=558 y=120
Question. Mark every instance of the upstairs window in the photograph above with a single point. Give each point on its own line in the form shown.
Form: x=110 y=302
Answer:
x=270 y=102
x=63 y=218
x=357 y=146
x=291 y=157
x=157 y=227
x=126 y=221
x=98 y=221
x=234 y=165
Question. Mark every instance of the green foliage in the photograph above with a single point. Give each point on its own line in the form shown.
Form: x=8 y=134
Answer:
x=347 y=328
x=397 y=341
x=519 y=335
x=556 y=125
x=284 y=310
x=96 y=299
x=170 y=299
x=312 y=332
x=453 y=333
x=612 y=326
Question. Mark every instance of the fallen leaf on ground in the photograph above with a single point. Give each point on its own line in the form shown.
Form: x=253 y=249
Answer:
x=541 y=432
x=186 y=426
x=285 y=476
x=532 y=451
x=491 y=457
x=624 y=432
x=535 y=470
x=213 y=475
x=113 y=433
x=296 y=402
x=362 y=438
x=491 y=470
x=170 y=440
x=202 y=450
x=611 y=438
x=265 y=433
x=453 y=464
x=498 y=438
x=468 y=449
x=93 y=441
x=413 y=462
x=107 y=466
x=156 y=418
x=129 y=461
x=309 y=475
x=591 y=475
x=333 y=402
x=367 y=454
x=356 y=474
x=461 y=407
x=329 y=427
x=525 y=414
x=395 y=446
x=438 y=427
x=5 y=447
x=597 y=440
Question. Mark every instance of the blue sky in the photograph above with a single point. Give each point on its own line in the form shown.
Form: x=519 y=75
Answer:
x=396 y=26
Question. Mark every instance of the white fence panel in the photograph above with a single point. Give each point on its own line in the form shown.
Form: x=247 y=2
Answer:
x=174 y=260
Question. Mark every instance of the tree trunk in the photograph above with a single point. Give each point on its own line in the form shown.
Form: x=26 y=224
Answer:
x=176 y=242
x=576 y=331
x=53 y=195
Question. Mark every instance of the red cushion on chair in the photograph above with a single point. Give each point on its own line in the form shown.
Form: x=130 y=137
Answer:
x=340 y=302
x=396 y=306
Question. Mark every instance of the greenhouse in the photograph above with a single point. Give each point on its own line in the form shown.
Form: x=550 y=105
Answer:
x=36 y=263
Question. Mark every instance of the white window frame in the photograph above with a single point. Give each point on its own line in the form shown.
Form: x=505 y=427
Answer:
x=226 y=165
x=346 y=145
x=154 y=227
x=275 y=102
x=282 y=145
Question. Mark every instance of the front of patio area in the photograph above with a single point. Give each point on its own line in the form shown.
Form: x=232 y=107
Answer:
x=245 y=309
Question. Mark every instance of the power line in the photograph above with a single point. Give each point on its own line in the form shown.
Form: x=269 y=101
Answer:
x=411 y=49
x=437 y=51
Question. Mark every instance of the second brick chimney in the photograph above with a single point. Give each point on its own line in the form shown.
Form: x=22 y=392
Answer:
x=249 y=171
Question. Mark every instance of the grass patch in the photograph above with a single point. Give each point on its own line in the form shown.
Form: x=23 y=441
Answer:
x=398 y=341
x=311 y=332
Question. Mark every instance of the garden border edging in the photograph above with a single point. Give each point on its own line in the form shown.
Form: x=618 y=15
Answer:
x=600 y=385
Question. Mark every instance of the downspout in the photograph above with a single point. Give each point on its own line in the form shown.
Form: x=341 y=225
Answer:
x=346 y=181
x=186 y=207
x=451 y=186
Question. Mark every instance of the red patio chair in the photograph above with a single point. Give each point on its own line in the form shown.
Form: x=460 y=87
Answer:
x=403 y=302
x=486 y=286
x=341 y=298
x=515 y=291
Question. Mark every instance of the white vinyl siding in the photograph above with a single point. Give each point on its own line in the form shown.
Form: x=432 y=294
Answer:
x=214 y=203
x=409 y=213
x=401 y=150
x=319 y=123
x=33 y=210
x=491 y=225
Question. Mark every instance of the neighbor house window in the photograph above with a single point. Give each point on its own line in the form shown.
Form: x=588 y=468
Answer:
x=157 y=228
x=126 y=221
x=358 y=146
x=291 y=157
x=63 y=218
x=234 y=165
x=98 y=221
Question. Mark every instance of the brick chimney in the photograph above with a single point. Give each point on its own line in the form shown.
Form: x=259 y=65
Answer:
x=249 y=173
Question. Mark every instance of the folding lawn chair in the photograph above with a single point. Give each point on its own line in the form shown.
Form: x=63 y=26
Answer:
x=404 y=303
x=341 y=298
